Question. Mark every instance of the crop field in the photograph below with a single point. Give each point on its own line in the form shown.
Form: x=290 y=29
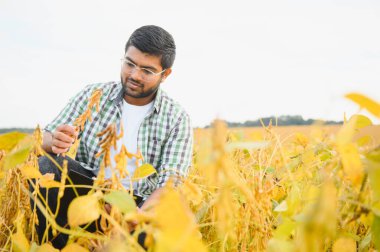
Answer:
x=307 y=188
x=286 y=133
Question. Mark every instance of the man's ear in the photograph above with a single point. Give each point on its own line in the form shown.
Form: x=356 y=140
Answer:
x=166 y=74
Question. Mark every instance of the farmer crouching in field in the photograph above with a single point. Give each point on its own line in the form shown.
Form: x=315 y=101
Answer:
x=152 y=123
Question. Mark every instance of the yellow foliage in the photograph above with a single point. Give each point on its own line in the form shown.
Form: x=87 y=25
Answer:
x=18 y=155
x=73 y=149
x=47 y=248
x=344 y=244
x=122 y=200
x=47 y=181
x=272 y=189
x=74 y=247
x=180 y=218
x=352 y=164
x=9 y=140
x=19 y=242
x=93 y=100
x=143 y=171
x=84 y=209
x=348 y=150
x=29 y=170
x=366 y=103
x=192 y=192
x=121 y=162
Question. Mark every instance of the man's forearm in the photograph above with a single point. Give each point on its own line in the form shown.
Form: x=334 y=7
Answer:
x=47 y=141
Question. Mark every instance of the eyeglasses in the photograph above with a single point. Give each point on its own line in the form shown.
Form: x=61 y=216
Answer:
x=146 y=74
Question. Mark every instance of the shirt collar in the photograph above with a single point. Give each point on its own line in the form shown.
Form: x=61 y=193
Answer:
x=117 y=96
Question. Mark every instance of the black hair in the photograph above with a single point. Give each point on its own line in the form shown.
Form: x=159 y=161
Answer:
x=156 y=41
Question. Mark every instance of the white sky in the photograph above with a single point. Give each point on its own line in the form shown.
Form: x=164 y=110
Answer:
x=239 y=60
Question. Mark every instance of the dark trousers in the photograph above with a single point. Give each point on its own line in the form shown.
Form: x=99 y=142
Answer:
x=51 y=195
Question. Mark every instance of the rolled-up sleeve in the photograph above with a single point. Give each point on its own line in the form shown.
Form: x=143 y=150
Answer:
x=75 y=107
x=177 y=152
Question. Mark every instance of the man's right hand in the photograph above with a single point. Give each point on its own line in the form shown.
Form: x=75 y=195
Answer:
x=60 y=140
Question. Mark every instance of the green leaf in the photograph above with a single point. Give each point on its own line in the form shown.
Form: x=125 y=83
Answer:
x=270 y=170
x=376 y=208
x=278 y=245
x=364 y=140
x=17 y=156
x=34 y=247
x=293 y=200
x=365 y=242
x=374 y=155
x=285 y=229
x=374 y=178
x=361 y=121
x=348 y=130
x=122 y=200
x=9 y=140
x=376 y=231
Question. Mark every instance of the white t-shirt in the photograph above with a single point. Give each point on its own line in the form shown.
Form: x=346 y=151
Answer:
x=131 y=118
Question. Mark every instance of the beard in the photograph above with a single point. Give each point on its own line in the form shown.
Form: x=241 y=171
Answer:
x=139 y=92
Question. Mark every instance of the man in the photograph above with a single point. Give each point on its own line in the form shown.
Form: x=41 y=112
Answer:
x=152 y=122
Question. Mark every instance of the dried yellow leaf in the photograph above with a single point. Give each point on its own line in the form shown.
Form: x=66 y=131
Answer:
x=364 y=102
x=344 y=244
x=192 y=192
x=30 y=171
x=46 y=248
x=352 y=164
x=83 y=209
x=74 y=247
x=19 y=241
x=179 y=219
x=348 y=151
x=47 y=181
x=143 y=171
x=348 y=130
x=326 y=215
x=177 y=230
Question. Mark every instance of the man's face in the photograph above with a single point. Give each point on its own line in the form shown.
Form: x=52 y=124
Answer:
x=139 y=76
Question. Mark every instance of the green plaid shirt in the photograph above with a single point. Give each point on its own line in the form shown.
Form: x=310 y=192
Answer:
x=165 y=137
